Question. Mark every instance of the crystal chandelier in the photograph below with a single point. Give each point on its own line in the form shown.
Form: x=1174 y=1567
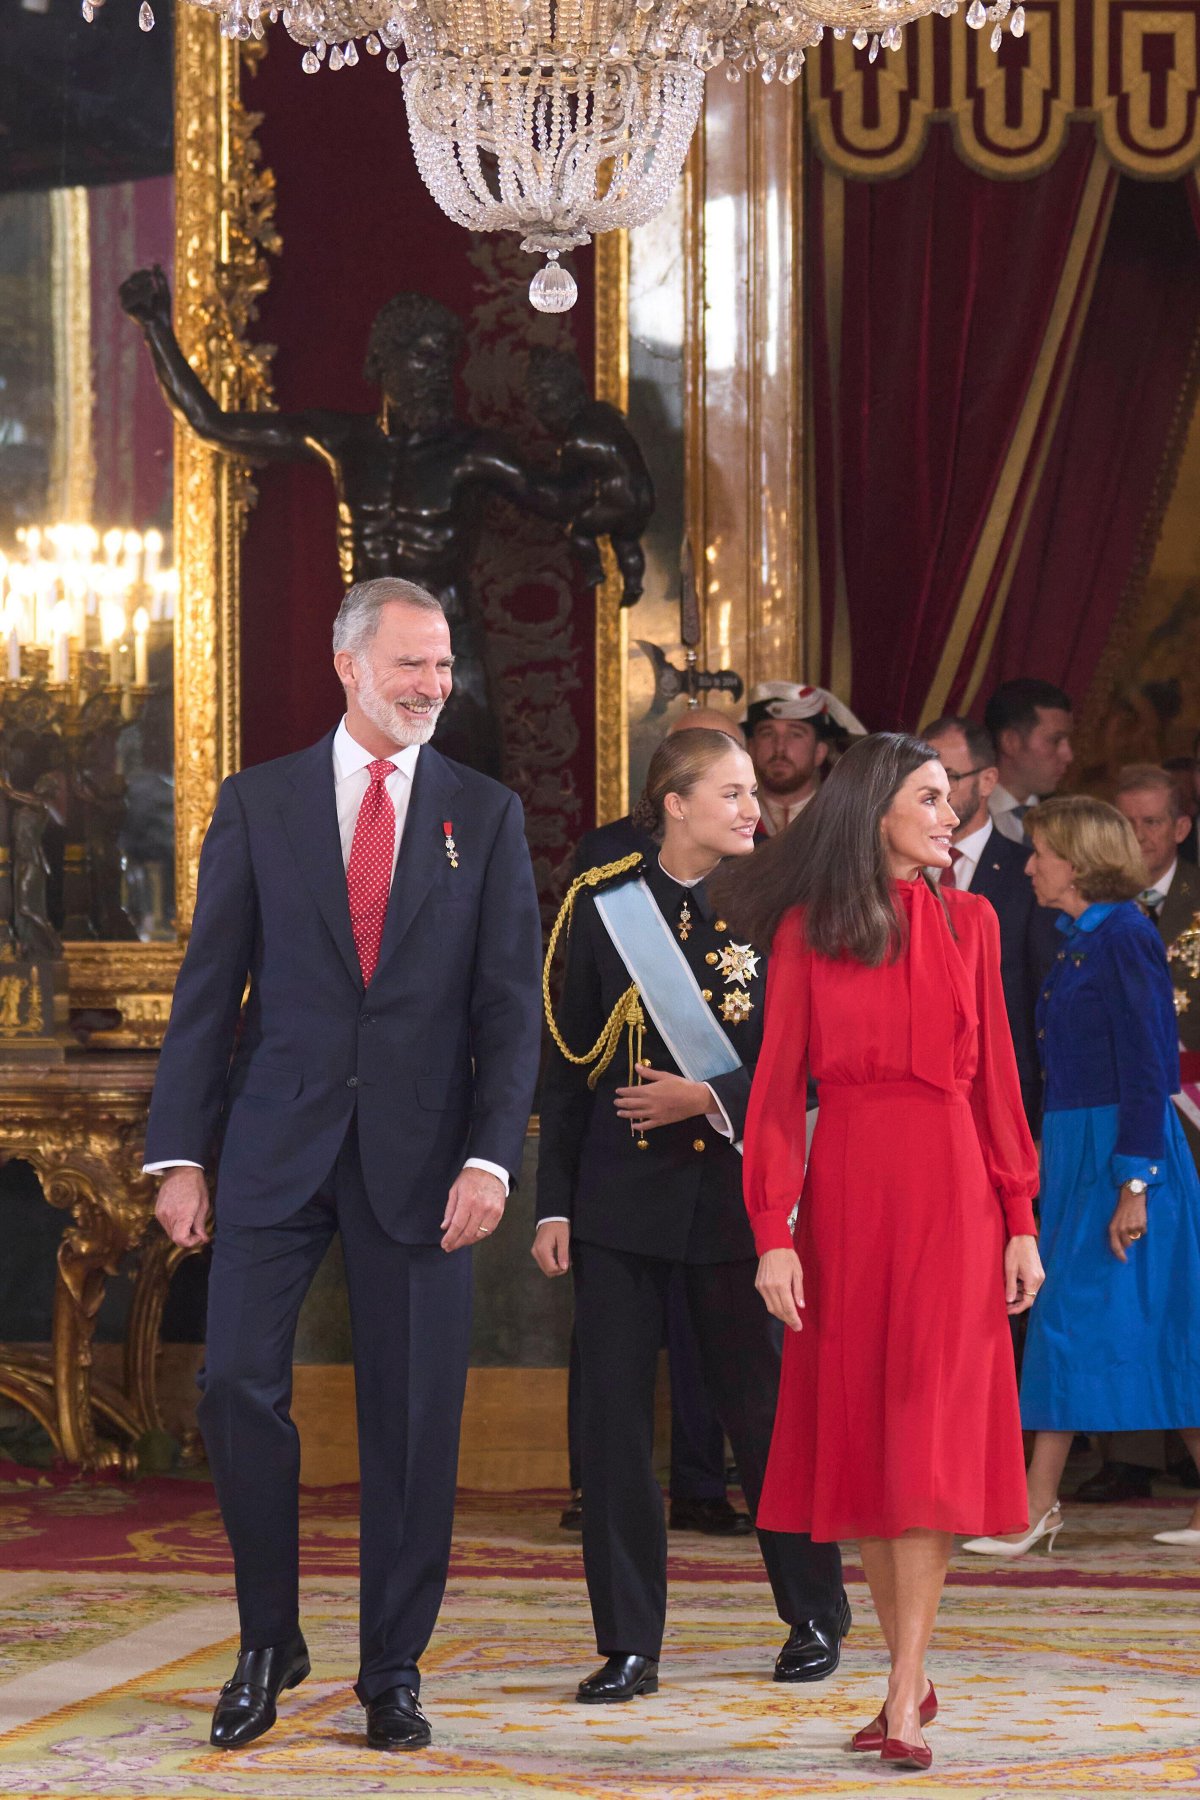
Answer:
x=563 y=118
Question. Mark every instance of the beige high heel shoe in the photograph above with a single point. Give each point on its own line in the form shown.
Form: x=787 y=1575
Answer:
x=1048 y=1527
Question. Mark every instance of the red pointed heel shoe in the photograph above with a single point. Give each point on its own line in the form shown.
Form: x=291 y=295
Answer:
x=899 y=1755
x=874 y=1735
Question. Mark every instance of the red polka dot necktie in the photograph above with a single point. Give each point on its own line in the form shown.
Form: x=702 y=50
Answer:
x=369 y=872
x=949 y=878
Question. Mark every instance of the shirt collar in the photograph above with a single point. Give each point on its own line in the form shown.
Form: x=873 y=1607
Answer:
x=1003 y=801
x=349 y=756
x=1163 y=884
x=1088 y=920
x=971 y=847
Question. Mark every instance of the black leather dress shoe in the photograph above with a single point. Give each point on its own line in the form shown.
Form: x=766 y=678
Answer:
x=395 y=1721
x=716 y=1518
x=621 y=1678
x=571 y=1517
x=814 y=1647
x=246 y=1707
x=1115 y=1481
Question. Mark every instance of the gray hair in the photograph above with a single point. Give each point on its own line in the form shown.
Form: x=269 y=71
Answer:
x=1149 y=778
x=358 y=616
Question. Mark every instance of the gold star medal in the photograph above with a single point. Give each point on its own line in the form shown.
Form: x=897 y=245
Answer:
x=736 y=1007
x=738 y=962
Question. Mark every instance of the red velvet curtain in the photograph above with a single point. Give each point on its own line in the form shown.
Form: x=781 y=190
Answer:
x=931 y=296
x=1109 y=474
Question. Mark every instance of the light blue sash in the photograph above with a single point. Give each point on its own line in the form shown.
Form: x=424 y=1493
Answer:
x=649 y=949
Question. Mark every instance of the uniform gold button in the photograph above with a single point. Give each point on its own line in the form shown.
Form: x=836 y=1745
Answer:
x=720 y=925
x=697 y=1143
x=712 y=959
x=706 y=993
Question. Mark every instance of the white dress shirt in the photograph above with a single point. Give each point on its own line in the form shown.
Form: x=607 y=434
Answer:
x=1162 y=886
x=970 y=854
x=350 y=783
x=1003 y=807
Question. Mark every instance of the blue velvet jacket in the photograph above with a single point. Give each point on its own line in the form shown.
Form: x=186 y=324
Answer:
x=1107 y=1031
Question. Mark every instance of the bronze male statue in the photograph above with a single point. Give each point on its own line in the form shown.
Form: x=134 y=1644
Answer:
x=411 y=481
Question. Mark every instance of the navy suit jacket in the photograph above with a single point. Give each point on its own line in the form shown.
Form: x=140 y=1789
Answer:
x=1028 y=946
x=439 y=1056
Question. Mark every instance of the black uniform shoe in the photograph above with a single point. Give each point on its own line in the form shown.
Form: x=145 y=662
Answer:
x=571 y=1517
x=246 y=1707
x=1115 y=1481
x=395 y=1721
x=814 y=1647
x=620 y=1679
x=714 y=1517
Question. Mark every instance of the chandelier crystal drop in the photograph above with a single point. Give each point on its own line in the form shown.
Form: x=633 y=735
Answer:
x=559 y=119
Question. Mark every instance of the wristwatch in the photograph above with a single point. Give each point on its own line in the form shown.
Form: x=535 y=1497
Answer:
x=1136 y=1186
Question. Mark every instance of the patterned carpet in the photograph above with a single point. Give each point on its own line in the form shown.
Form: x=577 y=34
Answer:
x=1072 y=1675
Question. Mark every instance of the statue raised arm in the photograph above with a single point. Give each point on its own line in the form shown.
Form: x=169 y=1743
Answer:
x=411 y=479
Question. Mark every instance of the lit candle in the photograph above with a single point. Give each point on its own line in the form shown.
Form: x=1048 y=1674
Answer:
x=112 y=545
x=141 y=667
x=61 y=620
x=14 y=653
x=112 y=630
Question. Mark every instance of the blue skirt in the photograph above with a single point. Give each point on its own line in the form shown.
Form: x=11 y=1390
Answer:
x=1113 y=1346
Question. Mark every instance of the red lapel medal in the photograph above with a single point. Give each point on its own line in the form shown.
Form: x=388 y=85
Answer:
x=451 y=850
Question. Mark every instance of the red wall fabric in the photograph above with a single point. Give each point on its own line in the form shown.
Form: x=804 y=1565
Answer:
x=358 y=226
x=948 y=280
x=1104 y=485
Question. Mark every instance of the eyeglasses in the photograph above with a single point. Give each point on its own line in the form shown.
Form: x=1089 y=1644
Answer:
x=953 y=775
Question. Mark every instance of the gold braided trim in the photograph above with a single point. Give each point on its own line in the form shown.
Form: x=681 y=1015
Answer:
x=626 y=1014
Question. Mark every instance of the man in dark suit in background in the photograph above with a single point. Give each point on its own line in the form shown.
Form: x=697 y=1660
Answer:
x=380 y=901
x=988 y=863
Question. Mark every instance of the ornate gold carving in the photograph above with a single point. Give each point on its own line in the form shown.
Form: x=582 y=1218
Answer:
x=82 y=1127
x=223 y=227
x=224 y=231
x=612 y=384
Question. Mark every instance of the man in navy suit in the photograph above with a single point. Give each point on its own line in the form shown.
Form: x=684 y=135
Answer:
x=988 y=863
x=379 y=901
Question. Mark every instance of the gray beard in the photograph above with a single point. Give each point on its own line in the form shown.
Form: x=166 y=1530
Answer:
x=402 y=730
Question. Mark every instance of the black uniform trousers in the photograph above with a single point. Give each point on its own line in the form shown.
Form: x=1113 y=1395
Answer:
x=620 y=1303
x=410 y=1315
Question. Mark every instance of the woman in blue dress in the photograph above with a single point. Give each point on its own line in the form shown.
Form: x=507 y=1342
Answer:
x=1114 y=1339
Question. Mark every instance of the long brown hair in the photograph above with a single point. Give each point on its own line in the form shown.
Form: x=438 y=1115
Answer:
x=831 y=860
x=680 y=761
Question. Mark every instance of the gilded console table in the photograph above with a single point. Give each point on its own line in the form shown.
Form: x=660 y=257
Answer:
x=81 y=1124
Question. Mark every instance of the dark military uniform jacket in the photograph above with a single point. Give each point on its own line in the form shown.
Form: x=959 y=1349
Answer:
x=1179 y=925
x=680 y=1197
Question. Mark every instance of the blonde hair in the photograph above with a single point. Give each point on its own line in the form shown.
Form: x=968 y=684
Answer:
x=680 y=761
x=1098 y=842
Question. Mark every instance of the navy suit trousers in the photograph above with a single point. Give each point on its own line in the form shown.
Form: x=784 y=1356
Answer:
x=410 y=1314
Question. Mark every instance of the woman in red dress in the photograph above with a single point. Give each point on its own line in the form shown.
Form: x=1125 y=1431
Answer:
x=897 y=1422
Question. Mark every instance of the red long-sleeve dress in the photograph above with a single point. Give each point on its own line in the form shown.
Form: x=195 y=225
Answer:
x=898 y=1404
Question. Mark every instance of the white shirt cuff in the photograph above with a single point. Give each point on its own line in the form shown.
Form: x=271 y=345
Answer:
x=181 y=1162
x=552 y=1219
x=720 y=1120
x=479 y=1162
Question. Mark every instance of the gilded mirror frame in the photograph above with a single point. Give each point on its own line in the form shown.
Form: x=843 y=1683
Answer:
x=612 y=632
x=224 y=203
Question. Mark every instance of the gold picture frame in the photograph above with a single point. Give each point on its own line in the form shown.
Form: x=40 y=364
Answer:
x=224 y=228
x=612 y=636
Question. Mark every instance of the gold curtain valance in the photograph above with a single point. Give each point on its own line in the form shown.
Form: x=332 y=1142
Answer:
x=1130 y=67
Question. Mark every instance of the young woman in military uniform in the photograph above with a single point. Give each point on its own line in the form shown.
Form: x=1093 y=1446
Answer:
x=640 y=1170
